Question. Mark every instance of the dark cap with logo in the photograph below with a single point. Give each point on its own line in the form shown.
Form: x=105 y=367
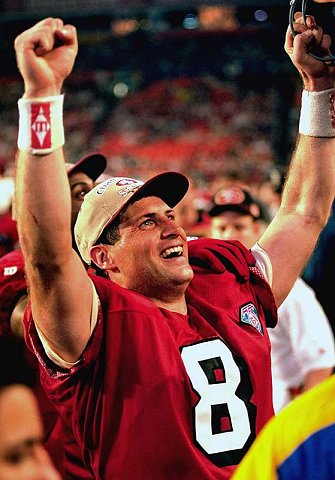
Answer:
x=234 y=199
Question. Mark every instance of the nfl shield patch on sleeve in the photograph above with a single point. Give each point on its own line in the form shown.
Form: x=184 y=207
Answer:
x=249 y=315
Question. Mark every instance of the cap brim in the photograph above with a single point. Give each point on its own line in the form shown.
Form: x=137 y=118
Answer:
x=92 y=165
x=171 y=187
x=218 y=209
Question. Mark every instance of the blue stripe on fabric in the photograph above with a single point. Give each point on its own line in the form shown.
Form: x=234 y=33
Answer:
x=314 y=459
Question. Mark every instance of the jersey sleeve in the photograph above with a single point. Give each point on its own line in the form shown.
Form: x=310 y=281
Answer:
x=263 y=262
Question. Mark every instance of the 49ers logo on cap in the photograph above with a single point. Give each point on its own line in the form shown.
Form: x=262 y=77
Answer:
x=40 y=126
x=126 y=181
x=123 y=185
x=130 y=186
x=230 y=196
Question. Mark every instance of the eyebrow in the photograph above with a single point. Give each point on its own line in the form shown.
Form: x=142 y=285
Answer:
x=154 y=214
x=147 y=215
x=27 y=442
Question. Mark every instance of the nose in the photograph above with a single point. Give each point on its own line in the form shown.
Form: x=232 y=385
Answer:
x=170 y=229
x=44 y=469
x=230 y=233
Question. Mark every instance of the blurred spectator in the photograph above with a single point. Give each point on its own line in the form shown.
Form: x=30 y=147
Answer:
x=22 y=455
x=235 y=215
x=319 y=272
x=297 y=444
x=6 y=193
x=303 y=348
x=271 y=189
x=191 y=212
x=8 y=231
x=303 y=352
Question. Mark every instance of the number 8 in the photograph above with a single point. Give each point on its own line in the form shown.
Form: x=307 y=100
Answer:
x=221 y=418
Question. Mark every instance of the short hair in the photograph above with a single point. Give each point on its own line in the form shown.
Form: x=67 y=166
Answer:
x=110 y=236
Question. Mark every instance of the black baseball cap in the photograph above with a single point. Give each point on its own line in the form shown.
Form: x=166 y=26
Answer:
x=92 y=165
x=236 y=199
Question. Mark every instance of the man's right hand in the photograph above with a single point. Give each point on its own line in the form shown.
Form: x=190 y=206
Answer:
x=45 y=55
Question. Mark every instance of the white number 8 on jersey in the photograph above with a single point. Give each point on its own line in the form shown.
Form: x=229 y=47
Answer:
x=222 y=422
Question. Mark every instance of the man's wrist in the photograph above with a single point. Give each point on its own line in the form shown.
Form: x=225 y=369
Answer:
x=318 y=84
x=32 y=91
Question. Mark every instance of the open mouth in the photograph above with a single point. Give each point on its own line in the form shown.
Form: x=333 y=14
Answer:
x=173 y=252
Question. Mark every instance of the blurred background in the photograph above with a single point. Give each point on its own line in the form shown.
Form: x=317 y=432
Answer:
x=203 y=88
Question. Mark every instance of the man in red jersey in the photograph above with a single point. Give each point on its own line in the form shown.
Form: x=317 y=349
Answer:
x=13 y=300
x=163 y=368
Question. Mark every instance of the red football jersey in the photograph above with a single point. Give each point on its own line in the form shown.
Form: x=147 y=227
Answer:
x=159 y=395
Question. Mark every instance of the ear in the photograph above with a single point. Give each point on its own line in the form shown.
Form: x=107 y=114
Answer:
x=101 y=256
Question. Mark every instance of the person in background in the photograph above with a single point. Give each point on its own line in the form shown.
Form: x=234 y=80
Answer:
x=234 y=214
x=163 y=366
x=22 y=454
x=13 y=301
x=298 y=443
x=8 y=230
x=319 y=272
x=82 y=176
x=270 y=191
x=302 y=343
x=191 y=211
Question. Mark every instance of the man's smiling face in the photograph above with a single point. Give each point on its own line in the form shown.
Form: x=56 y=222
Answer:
x=151 y=254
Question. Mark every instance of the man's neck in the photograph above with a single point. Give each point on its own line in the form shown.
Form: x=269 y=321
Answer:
x=176 y=305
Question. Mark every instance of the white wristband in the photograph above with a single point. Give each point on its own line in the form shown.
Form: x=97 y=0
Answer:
x=317 y=115
x=41 y=128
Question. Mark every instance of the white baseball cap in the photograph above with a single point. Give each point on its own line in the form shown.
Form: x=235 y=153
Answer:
x=102 y=204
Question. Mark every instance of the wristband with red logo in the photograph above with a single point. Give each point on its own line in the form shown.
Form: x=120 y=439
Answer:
x=41 y=128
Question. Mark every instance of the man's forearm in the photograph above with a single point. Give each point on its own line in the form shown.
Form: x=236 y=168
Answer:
x=43 y=206
x=310 y=186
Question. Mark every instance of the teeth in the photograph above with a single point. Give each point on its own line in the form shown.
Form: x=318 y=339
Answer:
x=171 y=251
